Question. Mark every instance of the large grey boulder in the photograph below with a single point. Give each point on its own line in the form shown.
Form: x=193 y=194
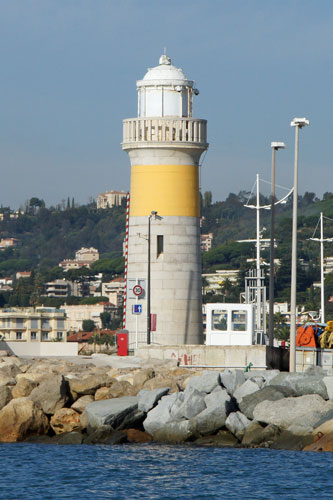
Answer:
x=211 y=419
x=174 y=432
x=161 y=414
x=328 y=381
x=50 y=394
x=301 y=383
x=232 y=379
x=292 y=411
x=204 y=383
x=267 y=375
x=249 y=387
x=117 y=413
x=259 y=380
x=237 y=423
x=267 y=393
x=148 y=399
x=325 y=418
x=161 y=424
x=188 y=405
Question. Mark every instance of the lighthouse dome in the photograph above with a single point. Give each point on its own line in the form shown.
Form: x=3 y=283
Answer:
x=165 y=91
x=165 y=71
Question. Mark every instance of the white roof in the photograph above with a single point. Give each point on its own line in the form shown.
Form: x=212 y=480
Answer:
x=165 y=72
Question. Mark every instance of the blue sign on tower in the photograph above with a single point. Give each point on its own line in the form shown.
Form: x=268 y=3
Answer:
x=137 y=309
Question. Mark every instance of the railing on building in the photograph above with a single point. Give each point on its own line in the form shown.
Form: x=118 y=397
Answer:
x=184 y=130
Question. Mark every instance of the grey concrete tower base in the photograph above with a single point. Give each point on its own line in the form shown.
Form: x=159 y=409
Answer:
x=175 y=277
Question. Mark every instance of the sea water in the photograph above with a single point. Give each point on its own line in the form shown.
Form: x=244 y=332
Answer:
x=55 y=472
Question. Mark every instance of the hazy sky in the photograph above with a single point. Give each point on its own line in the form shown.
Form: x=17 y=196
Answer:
x=67 y=80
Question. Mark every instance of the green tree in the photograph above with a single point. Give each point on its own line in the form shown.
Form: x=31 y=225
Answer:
x=281 y=329
x=88 y=325
x=207 y=200
x=106 y=319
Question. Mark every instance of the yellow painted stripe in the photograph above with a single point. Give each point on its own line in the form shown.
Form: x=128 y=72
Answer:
x=168 y=189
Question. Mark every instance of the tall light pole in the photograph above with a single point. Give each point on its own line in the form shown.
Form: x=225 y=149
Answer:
x=150 y=216
x=298 y=123
x=275 y=147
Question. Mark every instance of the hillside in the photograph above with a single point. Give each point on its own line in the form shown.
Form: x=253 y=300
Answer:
x=48 y=235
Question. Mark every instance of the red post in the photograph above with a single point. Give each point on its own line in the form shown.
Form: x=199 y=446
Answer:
x=122 y=344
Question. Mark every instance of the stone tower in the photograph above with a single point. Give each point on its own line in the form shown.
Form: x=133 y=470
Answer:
x=164 y=144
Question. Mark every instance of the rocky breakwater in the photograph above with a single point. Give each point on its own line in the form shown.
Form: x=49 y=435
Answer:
x=45 y=399
x=64 y=402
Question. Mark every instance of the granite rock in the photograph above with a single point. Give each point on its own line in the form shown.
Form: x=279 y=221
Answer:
x=21 y=418
x=51 y=394
x=267 y=393
x=237 y=423
x=206 y=383
x=116 y=412
x=148 y=399
x=232 y=379
x=291 y=411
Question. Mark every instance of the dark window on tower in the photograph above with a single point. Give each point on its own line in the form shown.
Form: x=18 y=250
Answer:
x=160 y=244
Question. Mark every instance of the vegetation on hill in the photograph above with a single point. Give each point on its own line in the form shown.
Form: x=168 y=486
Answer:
x=48 y=235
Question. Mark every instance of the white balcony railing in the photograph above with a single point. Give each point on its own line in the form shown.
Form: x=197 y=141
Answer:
x=176 y=130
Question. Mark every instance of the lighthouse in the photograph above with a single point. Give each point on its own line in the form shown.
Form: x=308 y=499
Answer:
x=164 y=143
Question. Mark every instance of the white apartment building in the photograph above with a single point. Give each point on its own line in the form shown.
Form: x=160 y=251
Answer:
x=87 y=255
x=114 y=290
x=62 y=288
x=328 y=265
x=110 y=199
x=83 y=258
x=76 y=314
x=216 y=280
x=25 y=324
x=206 y=242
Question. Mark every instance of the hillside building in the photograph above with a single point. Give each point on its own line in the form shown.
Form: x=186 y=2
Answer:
x=114 y=291
x=77 y=314
x=110 y=199
x=206 y=242
x=42 y=324
x=83 y=258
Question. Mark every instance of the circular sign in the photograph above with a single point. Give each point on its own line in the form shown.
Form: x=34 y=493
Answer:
x=137 y=290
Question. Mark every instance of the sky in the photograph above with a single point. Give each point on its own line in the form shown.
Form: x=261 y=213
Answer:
x=68 y=78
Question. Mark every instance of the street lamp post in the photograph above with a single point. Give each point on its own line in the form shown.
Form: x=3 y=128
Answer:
x=275 y=147
x=298 y=123
x=148 y=283
x=158 y=217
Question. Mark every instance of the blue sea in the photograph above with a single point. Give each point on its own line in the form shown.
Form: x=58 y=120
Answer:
x=55 y=472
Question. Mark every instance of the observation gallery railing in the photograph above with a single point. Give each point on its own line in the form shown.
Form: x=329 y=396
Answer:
x=183 y=130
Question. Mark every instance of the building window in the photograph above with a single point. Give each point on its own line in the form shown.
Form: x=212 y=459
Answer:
x=34 y=323
x=45 y=336
x=60 y=335
x=45 y=324
x=238 y=321
x=220 y=320
x=18 y=335
x=19 y=322
x=160 y=245
x=61 y=323
x=33 y=336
